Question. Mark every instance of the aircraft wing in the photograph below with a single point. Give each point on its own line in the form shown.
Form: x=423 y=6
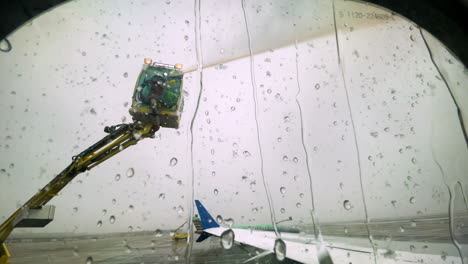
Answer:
x=266 y=240
x=299 y=248
x=303 y=247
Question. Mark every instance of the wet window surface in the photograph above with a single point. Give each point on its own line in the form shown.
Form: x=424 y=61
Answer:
x=336 y=130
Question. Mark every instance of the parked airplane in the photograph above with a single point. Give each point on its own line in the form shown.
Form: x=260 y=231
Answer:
x=291 y=244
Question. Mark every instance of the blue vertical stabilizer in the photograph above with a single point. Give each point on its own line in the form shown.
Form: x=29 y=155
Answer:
x=206 y=219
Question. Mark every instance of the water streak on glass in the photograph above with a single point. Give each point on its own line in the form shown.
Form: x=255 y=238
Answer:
x=197 y=29
x=254 y=91
x=465 y=198
x=340 y=64
x=452 y=224
x=444 y=178
x=460 y=116
x=451 y=207
x=460 y=211
x=316 y=226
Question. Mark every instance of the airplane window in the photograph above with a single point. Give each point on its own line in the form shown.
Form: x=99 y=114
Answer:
x=299 y=131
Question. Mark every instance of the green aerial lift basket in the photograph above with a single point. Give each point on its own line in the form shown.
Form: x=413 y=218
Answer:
x=157 y=97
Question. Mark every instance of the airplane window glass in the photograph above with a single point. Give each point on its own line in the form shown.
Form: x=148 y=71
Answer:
x=300 y=131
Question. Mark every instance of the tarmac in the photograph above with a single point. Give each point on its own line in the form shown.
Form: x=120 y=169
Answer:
x=417 y=240
x=126 y=249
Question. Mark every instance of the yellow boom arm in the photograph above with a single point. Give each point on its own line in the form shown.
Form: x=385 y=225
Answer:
x=120 y=137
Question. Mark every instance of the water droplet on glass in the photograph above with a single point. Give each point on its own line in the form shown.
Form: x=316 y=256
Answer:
x=246 y=153
x=162 y=196
x=402 y=229
x=269 y=91
x=89 y=260
x=227 y=239
x=280 y=249
x=75 y=252
x=137 y=135
x=130 y=172
x=285 y=158
x=298 y=205
x=180 y=210
x=131 y=208
x=394 y=203
x=75 y=209
x=173 y=162
x=374 y=134
x=347 y=205
x=283 y=190
x=104 y=211
x=112 y=219
x=443 y=255
x=158 y=233
x=125 y=74
x=215 y=191
x=219 y=219
x=229 y=222
x=252 y=184
x=114 y=201
x=233 y=108
x=282 y=210
x=99 y=223
x=413 y=160
x=117 y=177
x=412 y=199
x=295 y=160
x=5 y=45
x=317 y=86
x=221 y=51
x=411 y=37
x=128 y=249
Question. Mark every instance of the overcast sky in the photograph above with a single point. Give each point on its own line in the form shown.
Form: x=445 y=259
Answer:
x=380 y=130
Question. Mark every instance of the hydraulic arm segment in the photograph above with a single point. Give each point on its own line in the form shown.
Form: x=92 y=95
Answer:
x=156 y=102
